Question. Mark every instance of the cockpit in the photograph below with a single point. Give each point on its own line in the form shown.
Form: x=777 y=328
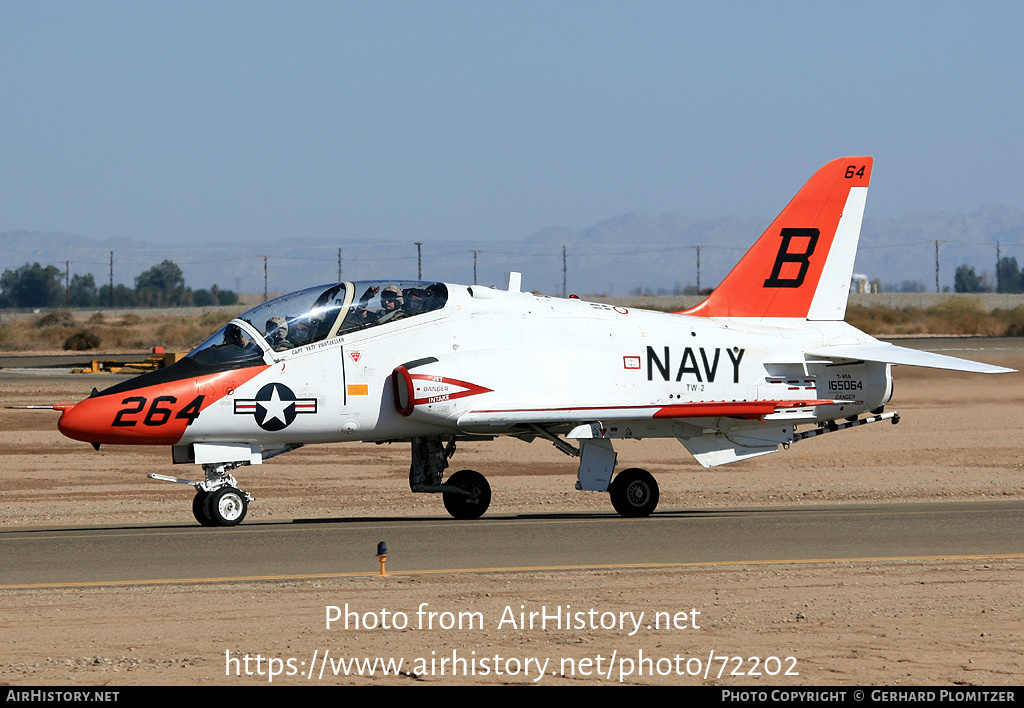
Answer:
x=315 y=314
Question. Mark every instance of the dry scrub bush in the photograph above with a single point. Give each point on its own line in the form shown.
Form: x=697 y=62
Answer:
x=963 y=316
x=82 y=340
x=1012 y=320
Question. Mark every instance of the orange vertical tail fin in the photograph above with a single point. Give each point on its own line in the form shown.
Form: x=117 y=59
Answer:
x=802 y=265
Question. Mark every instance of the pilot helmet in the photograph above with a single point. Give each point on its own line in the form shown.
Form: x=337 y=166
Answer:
x=415 y=300
x=277 y=324
x=437 y=295
x=392 y=292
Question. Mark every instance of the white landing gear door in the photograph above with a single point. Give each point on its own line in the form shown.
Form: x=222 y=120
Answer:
x=597 y=462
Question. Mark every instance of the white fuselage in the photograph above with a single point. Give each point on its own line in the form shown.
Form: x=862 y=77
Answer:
x=492 y=360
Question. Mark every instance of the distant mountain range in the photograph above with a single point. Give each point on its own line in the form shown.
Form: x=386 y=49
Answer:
x=621 y=255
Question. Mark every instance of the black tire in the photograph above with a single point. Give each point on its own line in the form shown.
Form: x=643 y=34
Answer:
x=634 y=492
x=472 y=507
x=199 y=508
x=227 y=506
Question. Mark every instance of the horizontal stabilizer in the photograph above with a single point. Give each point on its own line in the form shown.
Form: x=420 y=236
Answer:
x=891 y=354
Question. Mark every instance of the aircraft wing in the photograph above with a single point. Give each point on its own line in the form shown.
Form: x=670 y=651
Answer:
x=892 y=354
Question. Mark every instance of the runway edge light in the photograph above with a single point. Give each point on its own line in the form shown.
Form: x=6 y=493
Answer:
x=382 y=556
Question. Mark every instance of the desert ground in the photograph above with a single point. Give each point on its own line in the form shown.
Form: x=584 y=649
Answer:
x=901 y=622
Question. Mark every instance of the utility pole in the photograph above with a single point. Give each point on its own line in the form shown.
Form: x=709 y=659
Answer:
x=264 y=277
x=999 y=284
x=419 y=260
x=339 y=265
x=67 y=284
x=111 y=280
x=564 y=271
x=474 y=265
x=698 y=267
x=937 y=265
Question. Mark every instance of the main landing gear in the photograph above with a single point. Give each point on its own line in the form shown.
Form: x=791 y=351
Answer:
x=471 y=497
x=218 y=500
x=634 y=493
x=466 y=494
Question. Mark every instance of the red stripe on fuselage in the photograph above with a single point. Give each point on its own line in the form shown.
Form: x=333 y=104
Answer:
x=696 y=409
x=150 y=415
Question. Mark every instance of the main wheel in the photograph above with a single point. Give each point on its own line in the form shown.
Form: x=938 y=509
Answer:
x=634 y=492
x=227 y=506
x=199 y=508
x=467 y=507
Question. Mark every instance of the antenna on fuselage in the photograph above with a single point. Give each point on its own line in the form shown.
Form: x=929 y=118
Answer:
x=515 y=282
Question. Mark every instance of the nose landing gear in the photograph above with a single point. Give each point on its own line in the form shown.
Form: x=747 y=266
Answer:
x=218 y=500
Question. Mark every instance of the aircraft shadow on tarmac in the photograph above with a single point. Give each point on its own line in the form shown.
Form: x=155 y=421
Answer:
x=445 y=520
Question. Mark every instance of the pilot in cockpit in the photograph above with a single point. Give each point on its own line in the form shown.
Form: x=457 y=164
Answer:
x=390 y=307
x=391 y=304
x=277 y=333
x=416 y=300
x=237 y=338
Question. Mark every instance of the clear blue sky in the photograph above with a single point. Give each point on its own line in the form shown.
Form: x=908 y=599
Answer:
x=480 y=121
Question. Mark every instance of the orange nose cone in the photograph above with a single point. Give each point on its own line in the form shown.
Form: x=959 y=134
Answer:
x=74 y=423
x=152 y=409
x=85 y=421
x=117 y=420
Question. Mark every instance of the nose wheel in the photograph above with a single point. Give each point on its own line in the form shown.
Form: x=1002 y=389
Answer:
x=199 y=508
x=226 y=506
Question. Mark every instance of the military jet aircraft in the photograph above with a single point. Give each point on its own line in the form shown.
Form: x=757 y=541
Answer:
x=765 y=361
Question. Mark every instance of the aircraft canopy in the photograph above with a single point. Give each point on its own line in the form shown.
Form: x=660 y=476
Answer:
x=315 y=314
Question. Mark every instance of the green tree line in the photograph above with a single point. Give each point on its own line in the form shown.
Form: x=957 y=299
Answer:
x=163 y=285
x=1009 y=279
